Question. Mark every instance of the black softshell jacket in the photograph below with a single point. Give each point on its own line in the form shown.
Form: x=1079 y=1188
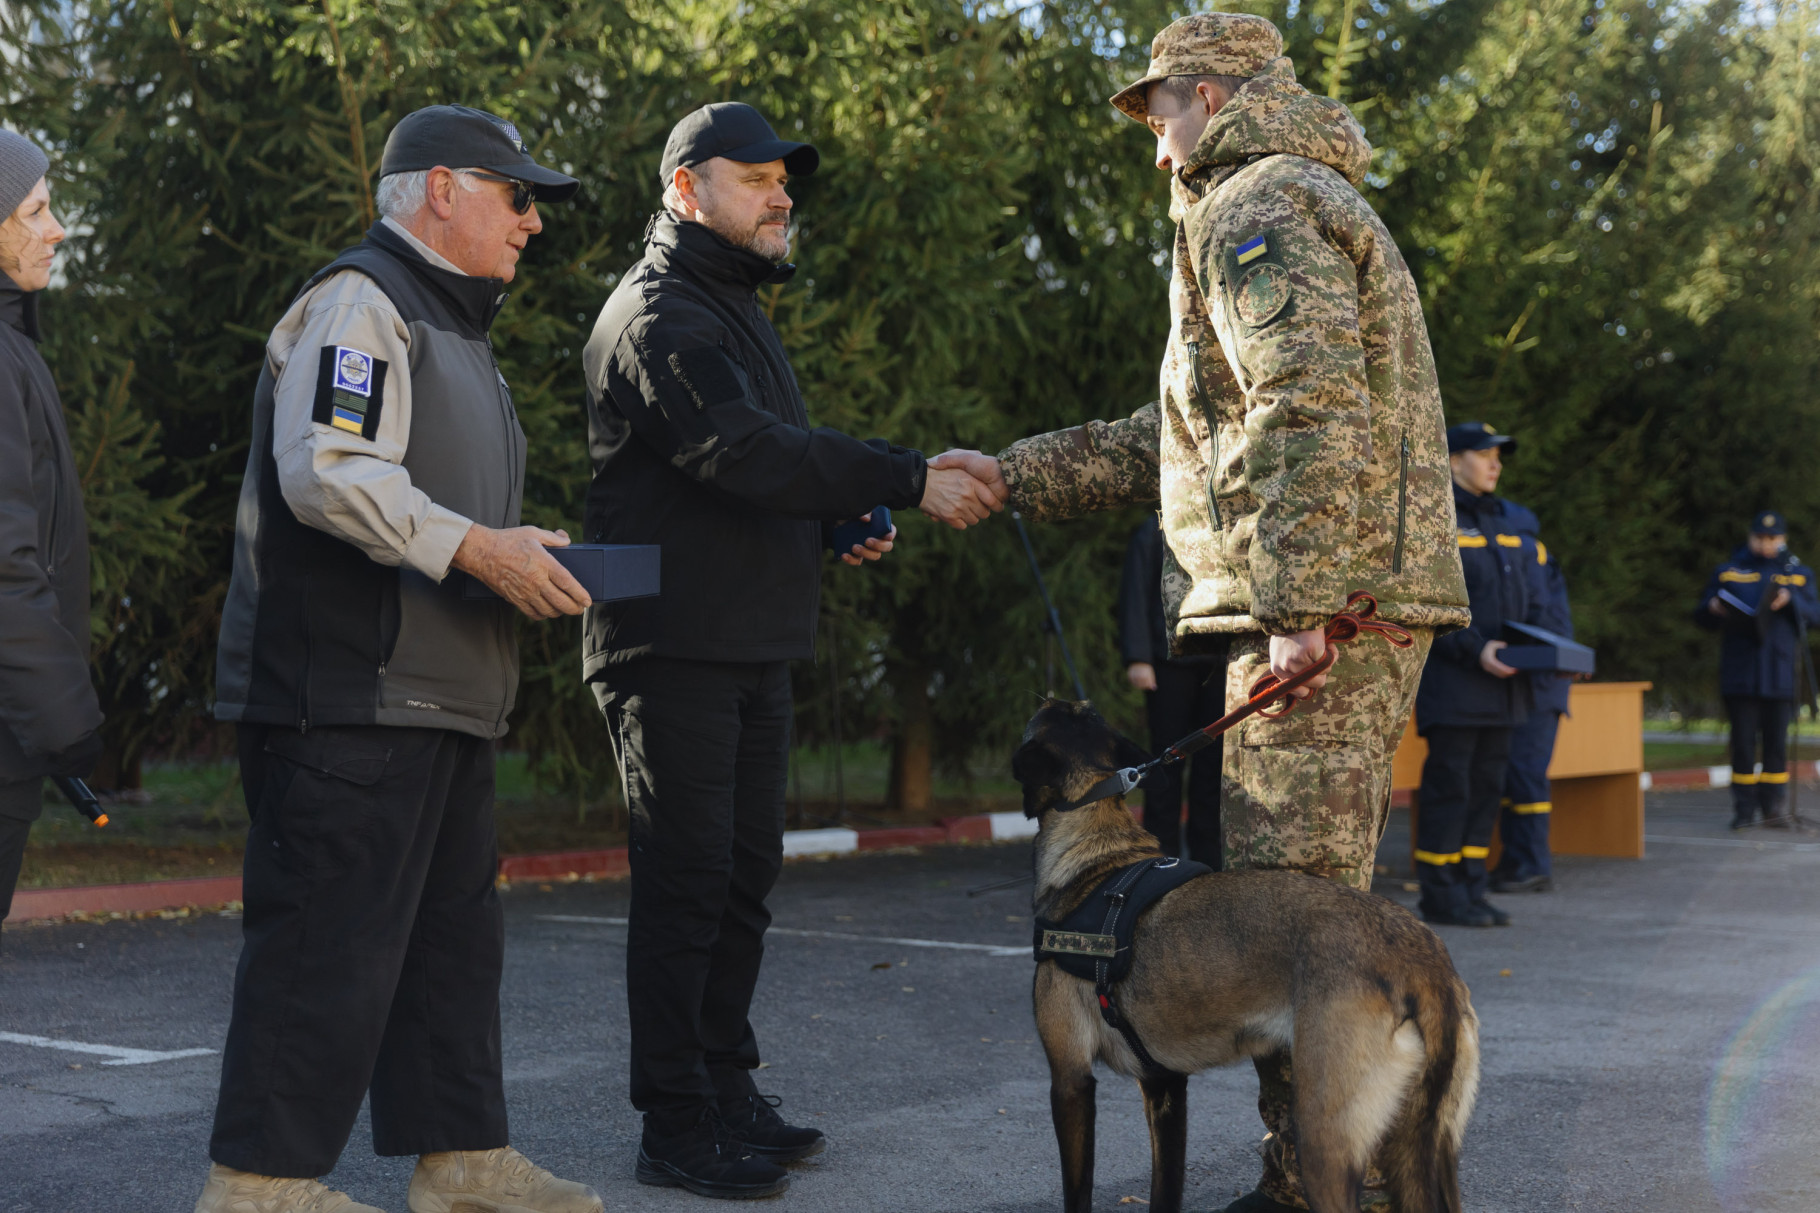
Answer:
x=701 y=444
x=47 y=703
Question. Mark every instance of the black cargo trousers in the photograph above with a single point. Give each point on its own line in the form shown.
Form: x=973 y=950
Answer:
x=373 y=946
x=703 y=750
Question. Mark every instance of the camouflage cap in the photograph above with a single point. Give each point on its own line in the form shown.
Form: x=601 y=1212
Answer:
x=1207 y=44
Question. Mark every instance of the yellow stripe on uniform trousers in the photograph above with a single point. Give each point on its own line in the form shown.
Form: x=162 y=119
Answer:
x=1540 y=806
x=1475 y=852
x=1437 y=859
x=1744 y=778
x=1472 y=541
x=1771 y=777
x=1251 y=250
x=1510 y=541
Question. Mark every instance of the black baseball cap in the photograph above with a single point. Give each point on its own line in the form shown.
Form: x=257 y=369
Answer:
x=1768 y=522
x=737 y=132
x=455 y=136
x=1477 y=436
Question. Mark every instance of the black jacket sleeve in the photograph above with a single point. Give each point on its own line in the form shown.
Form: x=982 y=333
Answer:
x=694 y=404
x=46 y=699
x=1140 y=583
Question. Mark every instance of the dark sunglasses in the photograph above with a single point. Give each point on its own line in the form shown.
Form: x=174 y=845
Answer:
x=524 y=193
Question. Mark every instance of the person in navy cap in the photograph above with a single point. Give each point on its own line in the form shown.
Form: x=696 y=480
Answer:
x=1469 y=701
x=1761 y=601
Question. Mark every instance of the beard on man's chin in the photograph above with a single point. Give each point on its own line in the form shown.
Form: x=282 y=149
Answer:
x=759 y=241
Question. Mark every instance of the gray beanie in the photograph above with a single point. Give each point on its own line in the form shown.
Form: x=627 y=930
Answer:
x=21 y=166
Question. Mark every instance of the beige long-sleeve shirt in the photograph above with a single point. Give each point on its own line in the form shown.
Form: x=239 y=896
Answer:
x=335 y=478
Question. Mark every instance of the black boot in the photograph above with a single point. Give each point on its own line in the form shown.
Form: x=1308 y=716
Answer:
x=1498 y=917
x=754 y=1120
x=1744 y=805
x=708 y=1160
x=1772 y=799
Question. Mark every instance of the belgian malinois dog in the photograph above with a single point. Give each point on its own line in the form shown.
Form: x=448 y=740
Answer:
x=1240 y=964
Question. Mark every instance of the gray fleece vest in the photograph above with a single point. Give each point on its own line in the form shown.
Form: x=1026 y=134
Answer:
x=313 y=631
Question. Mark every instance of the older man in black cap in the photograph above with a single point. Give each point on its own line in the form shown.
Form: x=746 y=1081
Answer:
x=368 y=693
x=702 y=444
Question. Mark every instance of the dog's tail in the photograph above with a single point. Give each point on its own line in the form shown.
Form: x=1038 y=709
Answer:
x=1421 y=1154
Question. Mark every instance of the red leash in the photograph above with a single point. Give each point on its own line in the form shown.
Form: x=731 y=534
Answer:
x=1271 y=697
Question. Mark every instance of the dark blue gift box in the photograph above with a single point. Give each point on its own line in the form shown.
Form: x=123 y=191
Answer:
x=609 y=572
x=1534 y=648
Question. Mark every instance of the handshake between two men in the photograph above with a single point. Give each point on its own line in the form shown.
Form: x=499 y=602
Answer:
x=962 y=487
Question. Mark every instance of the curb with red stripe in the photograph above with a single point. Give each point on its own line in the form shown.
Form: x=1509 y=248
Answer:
x=610 y=863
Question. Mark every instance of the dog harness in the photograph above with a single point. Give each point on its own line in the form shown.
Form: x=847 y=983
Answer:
x=1094 y=941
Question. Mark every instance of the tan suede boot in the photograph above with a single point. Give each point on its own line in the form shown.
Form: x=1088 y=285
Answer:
x=494 y=1181
x=231 y=1191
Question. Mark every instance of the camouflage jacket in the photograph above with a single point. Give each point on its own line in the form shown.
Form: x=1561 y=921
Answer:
x=1298 y=449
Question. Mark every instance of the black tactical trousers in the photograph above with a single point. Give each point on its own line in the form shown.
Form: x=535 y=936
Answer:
x=1187 y=697
x=372 y=954
x=703 y=751
x=1457 y=810
x=20 y=805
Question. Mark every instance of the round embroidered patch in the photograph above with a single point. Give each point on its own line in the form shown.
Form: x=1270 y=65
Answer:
x=1263 y=293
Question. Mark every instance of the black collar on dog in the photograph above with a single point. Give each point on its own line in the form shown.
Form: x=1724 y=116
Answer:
x=1116 y=784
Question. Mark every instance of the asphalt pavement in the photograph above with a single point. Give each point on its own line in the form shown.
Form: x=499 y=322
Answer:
x=1649 y=1043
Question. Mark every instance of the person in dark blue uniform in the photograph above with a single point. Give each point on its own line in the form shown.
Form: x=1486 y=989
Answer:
x=1762 y=602
x=1524 y=866
x=1469 y=701
x=1180 y=696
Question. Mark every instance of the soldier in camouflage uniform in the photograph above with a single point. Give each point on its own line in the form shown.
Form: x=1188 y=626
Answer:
x=1298 y=452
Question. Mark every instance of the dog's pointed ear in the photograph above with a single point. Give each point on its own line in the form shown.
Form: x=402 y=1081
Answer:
x=1130 y=753
x=1040 y=771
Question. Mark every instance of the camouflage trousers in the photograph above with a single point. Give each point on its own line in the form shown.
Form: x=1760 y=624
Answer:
x=1310 y=792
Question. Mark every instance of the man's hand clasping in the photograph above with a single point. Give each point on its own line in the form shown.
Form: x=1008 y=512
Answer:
x=514 y=565
x=963 y=487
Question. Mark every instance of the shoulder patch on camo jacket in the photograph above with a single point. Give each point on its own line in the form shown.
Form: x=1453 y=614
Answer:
x=350 y=390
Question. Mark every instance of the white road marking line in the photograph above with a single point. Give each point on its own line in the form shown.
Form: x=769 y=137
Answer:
x=1747 y=843
x=122 y=1056
x=990 y=949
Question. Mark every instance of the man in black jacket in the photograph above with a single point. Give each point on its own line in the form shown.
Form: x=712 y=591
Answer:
x=701 y=444
x=49 y=715
x=1180 y=696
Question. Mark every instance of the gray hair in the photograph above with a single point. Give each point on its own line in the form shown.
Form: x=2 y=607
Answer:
x=672 y=199
x=401 y=195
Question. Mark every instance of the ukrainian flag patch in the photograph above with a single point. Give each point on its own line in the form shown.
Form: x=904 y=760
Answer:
x=350 y=389
x=1251 y=250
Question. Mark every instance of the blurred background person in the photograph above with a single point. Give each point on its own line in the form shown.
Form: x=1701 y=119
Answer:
x=1470 y=702
x=1180 y=696
x=1524 y=865
x=49 y=715
x=1762 y=602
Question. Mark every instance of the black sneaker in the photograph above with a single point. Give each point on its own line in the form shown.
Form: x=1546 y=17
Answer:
x=754 y=1120
x=1521 y=884
x=709 y=1161
x=1498 y=917
x=1469 y=916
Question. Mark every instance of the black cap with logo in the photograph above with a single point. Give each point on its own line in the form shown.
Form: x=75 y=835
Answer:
x=1768 y=522
x=737 y=132
x=1477 y=436
x=455 y=136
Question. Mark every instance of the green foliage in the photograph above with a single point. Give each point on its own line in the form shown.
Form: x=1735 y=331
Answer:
x=1609 y=205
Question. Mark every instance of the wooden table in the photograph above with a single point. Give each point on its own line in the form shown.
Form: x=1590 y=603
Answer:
x=1598 y=796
